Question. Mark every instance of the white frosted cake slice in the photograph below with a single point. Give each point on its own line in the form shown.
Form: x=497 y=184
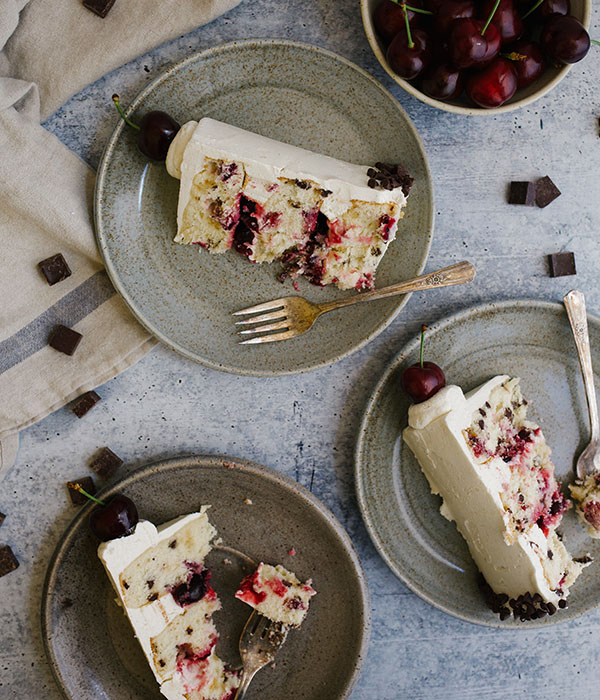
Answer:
x=164 y=589
x=586 y=494
x=492 y=468
x=323 y=218
x=277 y=594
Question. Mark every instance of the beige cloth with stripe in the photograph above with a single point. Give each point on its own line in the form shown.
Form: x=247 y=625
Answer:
x=52 y=49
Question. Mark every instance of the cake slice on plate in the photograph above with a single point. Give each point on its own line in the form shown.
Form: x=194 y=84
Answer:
x=277 y=594
x=325 y=219
x=492 y=468
x=586 y=494
x=164 y=588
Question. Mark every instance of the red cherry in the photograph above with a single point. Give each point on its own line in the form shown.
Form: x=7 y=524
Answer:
x=551 y=7
x=423 y=379
x=528 y=61
x=506 y=19
x=494 y=85
x=468 y=47
x=564 y=39
x=442 y=81
x=409 y=62
x=388 y=18
x=157 y=130
x=115 y=518
x=448 y=11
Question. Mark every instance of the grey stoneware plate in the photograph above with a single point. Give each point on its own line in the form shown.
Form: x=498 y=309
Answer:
x=292 y=92
x=527 y=339
x=90 y=644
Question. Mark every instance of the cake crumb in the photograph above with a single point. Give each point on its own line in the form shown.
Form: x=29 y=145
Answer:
x=228 y=562
x=230 y=465
x=291 y=552
x=248 y=501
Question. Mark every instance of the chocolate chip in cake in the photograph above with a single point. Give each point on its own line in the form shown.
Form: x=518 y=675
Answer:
x=55 y=269
x=161 y=663
x=326 y=193
x=546 y=192
x=302 y=184
x=522 y=193
x=2 y=518
x=173 y=544
x=150 y=583
x=550 y=554
x=562 y=603
x=562 y=264
x=125 y=585
x=64 y=339
x=106 y=463
x=8 y=561
x=189 y=630
x=99 y=7
x=86 y=483
x=85 y=403
x=152 y=597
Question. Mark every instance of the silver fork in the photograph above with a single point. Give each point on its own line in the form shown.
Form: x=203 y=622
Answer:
x=261 y=639
x=589 y=460
x=295 y=315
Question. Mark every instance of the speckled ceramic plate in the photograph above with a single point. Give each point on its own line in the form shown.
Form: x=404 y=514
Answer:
x=292 y=92
x=91 y=646
x=527 y=339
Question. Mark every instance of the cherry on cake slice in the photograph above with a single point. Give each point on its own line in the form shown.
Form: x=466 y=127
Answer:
x=324 y=219
x=586 y=494
x=492 y=468
x=277 y=594
x=164 y=588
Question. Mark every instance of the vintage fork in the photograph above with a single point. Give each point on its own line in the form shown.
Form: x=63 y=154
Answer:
x=295 y=315
x=261 y=639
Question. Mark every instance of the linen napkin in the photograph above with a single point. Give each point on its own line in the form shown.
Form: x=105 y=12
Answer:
x=49 y=51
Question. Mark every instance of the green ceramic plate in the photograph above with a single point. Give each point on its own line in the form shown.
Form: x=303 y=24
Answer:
x=90 y=644
x=527 y=339
x=300 y=94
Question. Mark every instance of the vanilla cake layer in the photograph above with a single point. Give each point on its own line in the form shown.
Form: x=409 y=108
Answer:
x=586 y=494
x=277 y=594
x=270 y=200
x=480 y=467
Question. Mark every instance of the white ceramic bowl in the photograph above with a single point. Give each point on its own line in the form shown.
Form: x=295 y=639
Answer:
x=581 y=9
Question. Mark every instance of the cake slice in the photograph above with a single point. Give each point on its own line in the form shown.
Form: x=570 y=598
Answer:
x=586 y=494
x=492 y=468
x=164 y=588
x=325 y=219
x=277 y=594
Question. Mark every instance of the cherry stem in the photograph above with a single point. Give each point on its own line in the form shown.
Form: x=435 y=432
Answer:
x=423 y=329
x=418 y=10
x=78 y=487
x=411 y=43
x=115 y=99
x=533 y=9
x=514 y=56
x=491 y=17
x=593 y=41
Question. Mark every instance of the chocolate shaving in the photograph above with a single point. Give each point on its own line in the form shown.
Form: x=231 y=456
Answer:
x=8 y=561
x=55 y=269
x=546 y=192
x=389 y=176
x=85 y=403
x=522 y=193
x=562 y=264
x=106 y=463
x=99 y=7
x=64 y=339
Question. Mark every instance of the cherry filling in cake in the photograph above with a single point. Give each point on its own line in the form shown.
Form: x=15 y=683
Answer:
x=501 y=438
x=207 y=678
x=295 y=221
x=586 y=493
x=277 y=594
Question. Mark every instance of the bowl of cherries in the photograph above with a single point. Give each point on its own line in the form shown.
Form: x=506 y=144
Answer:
x=477 y=56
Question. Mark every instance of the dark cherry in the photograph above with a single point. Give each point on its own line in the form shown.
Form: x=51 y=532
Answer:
x=528 y=60
x=388 y=18
x=468 y=47
x=422 y=382
x=551 y=7
x=409 y=62
x=564 y=39
x=194 y=590
x=448 y=11
x=494 y=85
x=506 y=19
x=114 y=518
x=157 y=130
x=442 y=81
x=433 y=5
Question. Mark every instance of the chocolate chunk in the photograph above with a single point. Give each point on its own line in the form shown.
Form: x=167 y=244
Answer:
x=151 y=598
x=522 y=193
x=562 y=603
x=85 y=403
x=2 y=518
x=55 y=269
x=562 y=264
x=106 y=463
x=546 y=192
x=87 y=484
x=99 y=7
x=64 y=339
x=8 y=561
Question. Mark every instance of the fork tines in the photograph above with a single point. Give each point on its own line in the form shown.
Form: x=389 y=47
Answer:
x=276 y=315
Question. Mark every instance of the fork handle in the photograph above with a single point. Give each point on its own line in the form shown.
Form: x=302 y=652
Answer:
x=575 y=304
x=247 y=677
x=455 y=274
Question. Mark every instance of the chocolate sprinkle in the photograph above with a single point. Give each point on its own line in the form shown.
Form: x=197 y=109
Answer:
x=99 y=7
x=524 y=608
x=64 y=339
x=85 y=403
x=86 y=483
x=55 y=269
x=390 y=176
x=8 y=561
x=562 y=264
x=522 y=193
x=106 y=463
x=546 y=192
